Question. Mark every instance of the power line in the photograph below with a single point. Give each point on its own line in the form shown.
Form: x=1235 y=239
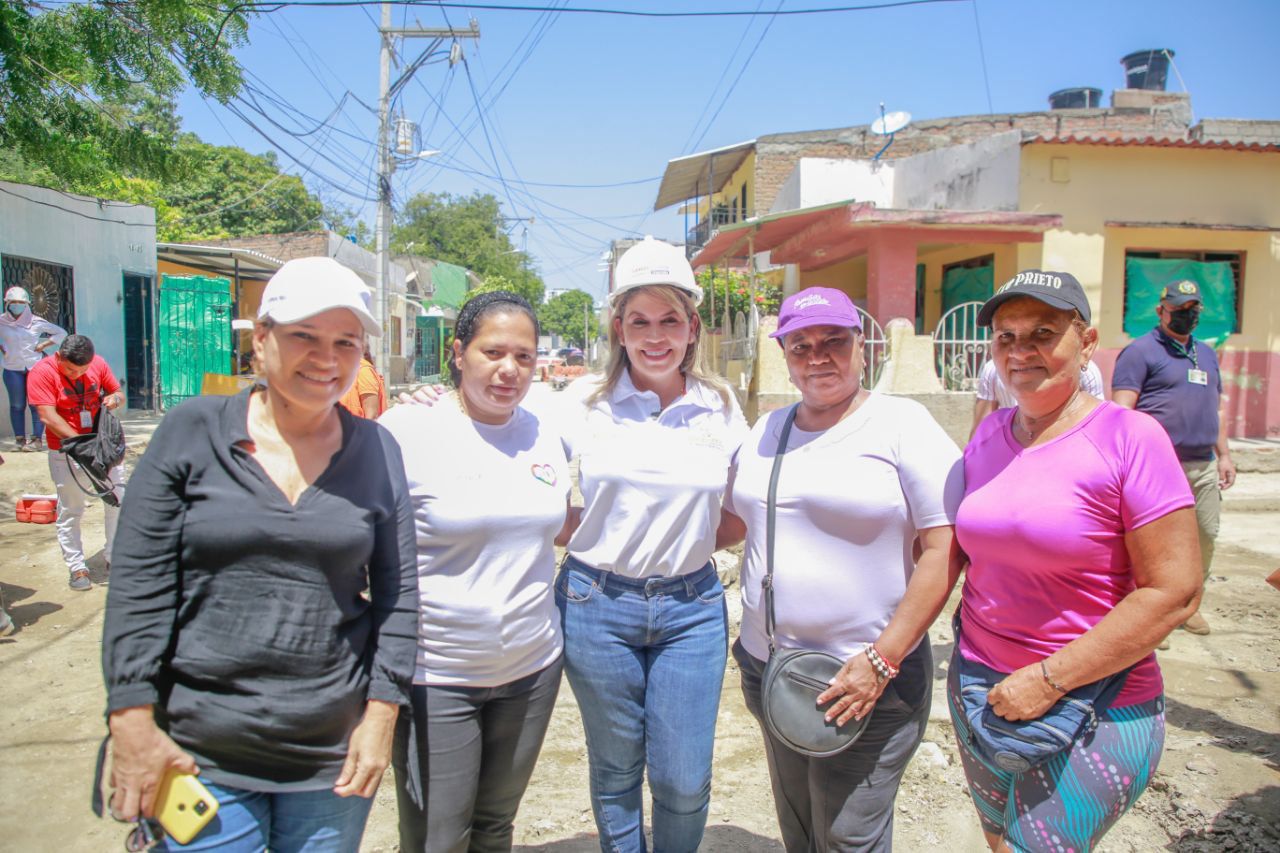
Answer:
x=78 y=213
x=741 y=71
x=628 y=13
x=982 y=52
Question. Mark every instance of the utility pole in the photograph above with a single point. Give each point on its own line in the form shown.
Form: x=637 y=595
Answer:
x=386 y=163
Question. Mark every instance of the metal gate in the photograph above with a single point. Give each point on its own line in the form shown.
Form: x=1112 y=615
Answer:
x=874 y=349
x=738 y=347
x=193 y=334
x=960 y=347
x=50 y=286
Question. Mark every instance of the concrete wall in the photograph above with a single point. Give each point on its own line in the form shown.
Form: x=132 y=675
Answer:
x=99 y=240
x=777 y=154
x=816 y=181
x=980 y=175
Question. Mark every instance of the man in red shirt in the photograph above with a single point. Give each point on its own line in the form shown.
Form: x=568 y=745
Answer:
x=67 y=391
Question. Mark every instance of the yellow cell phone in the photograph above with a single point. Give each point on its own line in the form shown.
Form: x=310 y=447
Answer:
x=184 y=806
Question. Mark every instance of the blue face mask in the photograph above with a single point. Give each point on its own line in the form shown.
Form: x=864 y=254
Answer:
x=16 y=308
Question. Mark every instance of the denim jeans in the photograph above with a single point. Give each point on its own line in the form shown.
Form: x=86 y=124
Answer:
x=15 y=385
x=645 y=658
x=290 y=822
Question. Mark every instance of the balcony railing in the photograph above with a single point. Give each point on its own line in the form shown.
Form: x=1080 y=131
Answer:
x=699 y=234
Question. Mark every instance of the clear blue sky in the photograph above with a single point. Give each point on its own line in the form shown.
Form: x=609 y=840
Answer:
x=589 y=99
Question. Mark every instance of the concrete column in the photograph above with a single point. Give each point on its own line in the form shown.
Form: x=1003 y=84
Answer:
x=891 y=277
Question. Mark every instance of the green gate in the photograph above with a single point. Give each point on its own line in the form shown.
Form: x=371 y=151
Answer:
x=193 y=334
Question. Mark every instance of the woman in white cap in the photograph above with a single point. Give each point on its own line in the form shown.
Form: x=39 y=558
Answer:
x=645 y=626
x=862 y=476
x=24 y=340
x=261 y=620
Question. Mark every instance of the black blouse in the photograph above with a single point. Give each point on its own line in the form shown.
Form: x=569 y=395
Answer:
x=257 y=628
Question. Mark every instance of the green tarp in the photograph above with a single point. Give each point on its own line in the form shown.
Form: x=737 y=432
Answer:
x=193 y=334
x=450 y=285
x=1146 y=278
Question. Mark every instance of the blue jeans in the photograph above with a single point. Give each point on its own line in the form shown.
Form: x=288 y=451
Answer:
x=645 y=658
x=15 y=385
x=291 y=822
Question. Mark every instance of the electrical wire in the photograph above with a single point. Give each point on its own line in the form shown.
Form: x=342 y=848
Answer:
x=982 y=53
x=267 y=6
x=79 y=213
x=747 y=62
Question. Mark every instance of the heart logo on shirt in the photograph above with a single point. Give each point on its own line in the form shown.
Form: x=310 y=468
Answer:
x=544 y=472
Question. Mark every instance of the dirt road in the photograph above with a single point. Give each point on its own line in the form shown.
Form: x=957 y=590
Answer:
x=1218 y=787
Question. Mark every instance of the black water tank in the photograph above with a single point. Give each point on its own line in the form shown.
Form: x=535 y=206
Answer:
x=1081 y=97
x=1147 y=69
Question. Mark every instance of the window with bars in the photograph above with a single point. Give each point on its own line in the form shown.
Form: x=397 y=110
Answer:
x=1235 y=260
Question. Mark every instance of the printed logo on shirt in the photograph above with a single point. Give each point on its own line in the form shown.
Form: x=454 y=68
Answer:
x=543 y=473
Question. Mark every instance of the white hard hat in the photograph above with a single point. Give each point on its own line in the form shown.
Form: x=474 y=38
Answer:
x=654 y=262
x=305 y=287
x=17 y=294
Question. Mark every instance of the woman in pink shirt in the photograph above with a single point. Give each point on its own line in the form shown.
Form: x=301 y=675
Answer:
x=1081 y=536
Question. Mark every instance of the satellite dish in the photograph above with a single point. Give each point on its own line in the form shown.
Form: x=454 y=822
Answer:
x=890 y=123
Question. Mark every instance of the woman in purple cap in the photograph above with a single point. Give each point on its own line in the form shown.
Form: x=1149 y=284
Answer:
x=865 y=474
x=1081 y=535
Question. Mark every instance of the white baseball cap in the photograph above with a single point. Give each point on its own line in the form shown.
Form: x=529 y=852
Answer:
x=17 y=294
x=654 y=262
x=305 y=287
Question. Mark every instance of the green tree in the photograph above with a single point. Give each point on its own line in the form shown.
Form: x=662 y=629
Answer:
x=528 y=287
x=570 y=315
x=75 y=80
x=468 y=231
x=227 y=192
x=721 y=285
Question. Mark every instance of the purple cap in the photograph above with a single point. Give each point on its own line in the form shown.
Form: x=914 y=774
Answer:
x=817 y=306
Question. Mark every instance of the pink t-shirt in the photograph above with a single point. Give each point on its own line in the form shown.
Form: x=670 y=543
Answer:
x=1044 y=530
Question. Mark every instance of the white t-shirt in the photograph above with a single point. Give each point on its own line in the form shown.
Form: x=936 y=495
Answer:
x=487 y=503
x=990 y=386
x=652 y=479
x=850 y=500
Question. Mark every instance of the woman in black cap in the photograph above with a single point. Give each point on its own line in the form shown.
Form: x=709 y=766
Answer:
x=1078 y=526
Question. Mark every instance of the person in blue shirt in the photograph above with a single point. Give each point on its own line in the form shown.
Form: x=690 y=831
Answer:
x=1175 y=379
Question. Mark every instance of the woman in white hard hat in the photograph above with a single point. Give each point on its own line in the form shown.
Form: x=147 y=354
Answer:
x=24 y=338
x=644 y=614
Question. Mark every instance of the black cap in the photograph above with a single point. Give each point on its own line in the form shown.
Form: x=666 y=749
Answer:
x=1179 y=293
x=1058 y=289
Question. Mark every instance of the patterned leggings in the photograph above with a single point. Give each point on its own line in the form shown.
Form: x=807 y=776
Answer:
x=1068 y=803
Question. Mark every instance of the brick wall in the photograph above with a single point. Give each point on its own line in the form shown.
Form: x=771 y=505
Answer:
x=282 y=247
x=777 y=154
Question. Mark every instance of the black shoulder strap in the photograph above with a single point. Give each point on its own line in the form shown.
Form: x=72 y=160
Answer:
x=771 y=511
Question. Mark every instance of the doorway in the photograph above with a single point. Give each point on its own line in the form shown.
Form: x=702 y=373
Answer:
x=139 y=341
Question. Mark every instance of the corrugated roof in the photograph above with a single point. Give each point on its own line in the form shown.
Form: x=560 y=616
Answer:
x=687 y=177
x=220 y=260
x=1154 y=142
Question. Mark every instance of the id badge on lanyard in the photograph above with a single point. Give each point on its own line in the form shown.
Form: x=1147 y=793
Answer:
x=1197 y=377
x=86 y=418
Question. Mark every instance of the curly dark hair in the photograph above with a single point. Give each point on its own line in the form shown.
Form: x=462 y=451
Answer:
x=483 y=305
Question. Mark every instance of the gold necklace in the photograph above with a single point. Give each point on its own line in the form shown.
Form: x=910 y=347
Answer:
x=1051 y=417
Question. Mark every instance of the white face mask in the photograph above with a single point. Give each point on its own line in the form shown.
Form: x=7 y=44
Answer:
x=16 y=308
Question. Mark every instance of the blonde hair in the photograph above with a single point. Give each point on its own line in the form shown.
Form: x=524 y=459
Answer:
x=694 y=363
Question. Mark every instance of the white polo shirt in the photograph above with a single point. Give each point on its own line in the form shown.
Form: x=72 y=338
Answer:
x=487 y=504
x=652 y=479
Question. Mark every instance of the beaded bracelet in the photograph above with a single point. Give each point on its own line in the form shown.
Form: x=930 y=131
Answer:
x=884 y=669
